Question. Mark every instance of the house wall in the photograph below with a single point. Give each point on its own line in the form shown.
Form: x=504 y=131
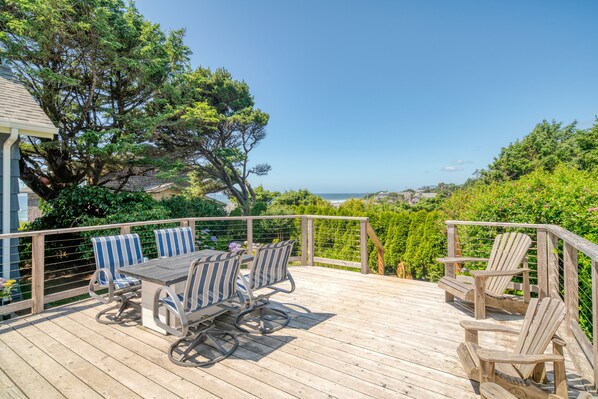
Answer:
x=14 y=202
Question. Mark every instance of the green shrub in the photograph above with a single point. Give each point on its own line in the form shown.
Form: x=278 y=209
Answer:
x=179 y=206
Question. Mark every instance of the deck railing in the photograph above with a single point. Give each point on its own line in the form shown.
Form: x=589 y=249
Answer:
x=566 y=267
x=56 y=264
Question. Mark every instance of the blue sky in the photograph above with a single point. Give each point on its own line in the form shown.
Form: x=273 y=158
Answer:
x=384 y=95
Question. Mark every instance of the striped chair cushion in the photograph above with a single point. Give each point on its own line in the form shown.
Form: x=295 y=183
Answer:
x=241 y=284
x=211 y=280
x=169 y=302
x=112 y=252
x=172 y=242
x=270 y=264
x=123 y=282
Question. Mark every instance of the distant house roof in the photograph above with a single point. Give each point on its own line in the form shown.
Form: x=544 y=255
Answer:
x=19 y=110
x=161 y=187
x=147 y=181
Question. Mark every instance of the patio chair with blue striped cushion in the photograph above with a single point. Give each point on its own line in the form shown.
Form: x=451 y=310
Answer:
x=111 y=253
x=269 y=268
x=210 y=290
x=173 y=242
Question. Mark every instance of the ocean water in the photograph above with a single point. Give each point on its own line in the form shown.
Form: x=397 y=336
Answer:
x=338 y=198
x=335 y=198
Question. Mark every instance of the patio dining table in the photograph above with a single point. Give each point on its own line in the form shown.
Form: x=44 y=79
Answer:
x=172 y=272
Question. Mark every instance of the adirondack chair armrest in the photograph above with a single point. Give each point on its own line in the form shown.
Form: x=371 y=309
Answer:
x=460 y=259
x=492 y=356
x=556 y=340
x=492 y=273
x=471 y=326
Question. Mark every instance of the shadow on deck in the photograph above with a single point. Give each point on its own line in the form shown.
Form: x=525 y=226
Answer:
x=350 y=336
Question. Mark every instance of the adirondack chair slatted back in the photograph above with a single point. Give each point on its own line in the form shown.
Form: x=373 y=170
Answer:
x=112 y=252
x=270 y=264
x=173 y=242
x=541 y=322
x=211 y=280
x=508 y=252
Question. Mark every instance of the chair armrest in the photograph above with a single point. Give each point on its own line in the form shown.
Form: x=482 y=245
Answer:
x=493 y=356
x=285 y=291
x=492 y=273
x=180 y=312
x=471 y=325
x=246 y=284
x=460 y=259
x=94 y=280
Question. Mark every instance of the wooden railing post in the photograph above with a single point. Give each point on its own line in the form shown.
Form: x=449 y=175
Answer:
x=303 y=241
x=542 y=262
x=191 y=224
x=374 y=237
x=37 y=273
x=449 y=268
x=125 y=230
x=595 y=319
x=250 y=236
x=363 y=246
x=571 y=286
x=310 y=241
x=553 y=266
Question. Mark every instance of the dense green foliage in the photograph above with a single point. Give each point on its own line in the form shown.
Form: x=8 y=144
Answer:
x=547 y=146
x=179 y=206
x=93 y=206
x=88 y=206
x=412 y=239
x=208 y=120
x=84 y=206
x=126 y=100
x=565 y=196
x=93 y=66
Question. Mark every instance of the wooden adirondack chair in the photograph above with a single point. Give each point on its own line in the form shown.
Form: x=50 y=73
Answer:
x=487 y=287
x=519 y=371
x=490 y=390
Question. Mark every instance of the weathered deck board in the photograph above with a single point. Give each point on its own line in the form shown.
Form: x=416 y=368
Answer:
x=8 y=389
x=350 y=336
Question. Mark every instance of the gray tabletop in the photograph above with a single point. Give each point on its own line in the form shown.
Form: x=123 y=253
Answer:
x=168 y=271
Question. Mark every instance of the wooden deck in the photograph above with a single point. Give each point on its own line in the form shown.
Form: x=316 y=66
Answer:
x=351 y=336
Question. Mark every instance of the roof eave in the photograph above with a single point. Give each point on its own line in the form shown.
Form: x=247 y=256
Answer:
x=28 y=129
